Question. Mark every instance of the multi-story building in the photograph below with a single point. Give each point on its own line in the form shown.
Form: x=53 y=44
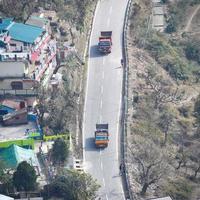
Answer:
x=26 y=52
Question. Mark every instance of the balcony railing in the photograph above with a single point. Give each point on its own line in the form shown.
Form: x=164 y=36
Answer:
x=24 y=92
x=47 y=61
x=14 y=56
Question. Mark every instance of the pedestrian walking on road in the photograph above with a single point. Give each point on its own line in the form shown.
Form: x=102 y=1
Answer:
x=122 y=62
x=121 y=169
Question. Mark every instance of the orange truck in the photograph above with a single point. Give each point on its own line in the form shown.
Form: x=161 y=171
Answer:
x=101 y=135
x=105 y=42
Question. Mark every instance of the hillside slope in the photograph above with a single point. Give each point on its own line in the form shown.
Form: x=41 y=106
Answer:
x=163 y=114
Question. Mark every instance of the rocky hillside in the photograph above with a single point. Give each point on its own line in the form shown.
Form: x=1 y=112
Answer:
x=163 y=118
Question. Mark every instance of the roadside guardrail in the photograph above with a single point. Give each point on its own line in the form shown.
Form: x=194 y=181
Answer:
x=125 y=177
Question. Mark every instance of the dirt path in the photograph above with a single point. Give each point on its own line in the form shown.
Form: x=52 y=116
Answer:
x=191 y=18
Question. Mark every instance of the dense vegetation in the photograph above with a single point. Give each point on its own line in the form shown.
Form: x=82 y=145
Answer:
x=52 y=102
x=68 y=184
x=71 y=185
x=23 y=179
x=60 y=151
x=73 y=11
x=172 y=53
x=177 y=17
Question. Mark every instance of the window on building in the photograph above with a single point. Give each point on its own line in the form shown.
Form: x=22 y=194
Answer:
x=37 y=63
x=17 y=85
x=13 y=45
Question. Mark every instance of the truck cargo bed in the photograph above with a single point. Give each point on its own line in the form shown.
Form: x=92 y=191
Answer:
x=102 y=127
x=106 y=33
x=101 y=135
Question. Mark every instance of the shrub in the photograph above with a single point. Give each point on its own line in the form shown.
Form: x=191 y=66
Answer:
x=194 y=2
x=168 y=56
x=171 y=25
x=164 y=1
x=180 y=189
x=184 y=111
x=176 y=68
x=192 y=51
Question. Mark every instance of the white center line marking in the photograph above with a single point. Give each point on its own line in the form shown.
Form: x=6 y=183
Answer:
x=103 y=61
x=101 y=104
x=102 y=89
x=106 y=197
x=87 y=86
x=103 y=75
x=108 y=22
x=101 y=165
x=110 y=11
x=100 y=118
x=104 y=182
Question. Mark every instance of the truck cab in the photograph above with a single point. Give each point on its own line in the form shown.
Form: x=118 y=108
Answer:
x=101 y=135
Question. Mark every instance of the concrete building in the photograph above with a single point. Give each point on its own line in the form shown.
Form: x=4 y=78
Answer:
x=15 y=76
x=26 y=52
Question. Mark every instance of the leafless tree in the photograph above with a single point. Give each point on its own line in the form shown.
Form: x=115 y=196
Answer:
x=194 y=156
x=162 y=89
x=61 y=109
x=165 y=123
x=41 y=106
x=151 y=163
x=189 y=157
x=182 y=157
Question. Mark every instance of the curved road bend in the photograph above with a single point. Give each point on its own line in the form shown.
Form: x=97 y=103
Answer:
x=103 y=100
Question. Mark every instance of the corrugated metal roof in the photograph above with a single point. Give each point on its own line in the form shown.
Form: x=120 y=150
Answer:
x=5 y=23
x=24 y=32
x=3 y=197
x=12 y=103
x=21 y=32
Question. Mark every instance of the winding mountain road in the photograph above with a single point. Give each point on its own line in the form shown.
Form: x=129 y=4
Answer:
x=103 y=100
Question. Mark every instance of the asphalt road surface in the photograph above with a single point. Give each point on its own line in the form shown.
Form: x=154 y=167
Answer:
x=103 y=100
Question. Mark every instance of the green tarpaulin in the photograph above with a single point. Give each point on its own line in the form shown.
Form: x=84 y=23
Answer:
x=14 y=154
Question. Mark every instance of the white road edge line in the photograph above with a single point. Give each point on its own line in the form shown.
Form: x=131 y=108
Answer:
x=118 y=132
x=117 y=138
x=101 y=104
x=88 y=73
x=106 y=197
